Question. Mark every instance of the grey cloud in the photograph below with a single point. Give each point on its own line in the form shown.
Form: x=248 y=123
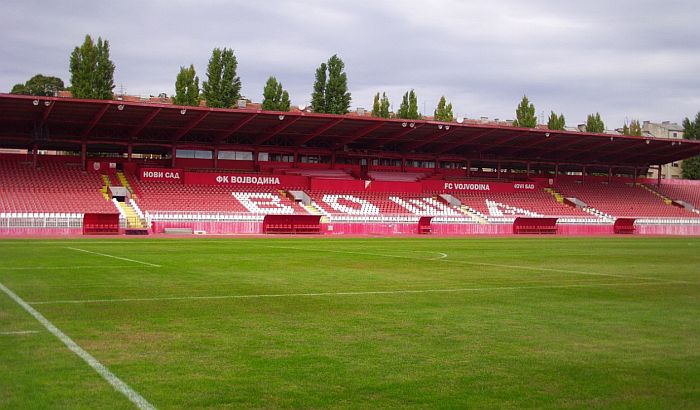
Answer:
x=625 y=59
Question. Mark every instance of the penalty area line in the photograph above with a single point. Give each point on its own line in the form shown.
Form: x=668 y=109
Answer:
x=358 y=293
x=112 y=256
x=62 y=267
x=101 y=369
x=19 y=332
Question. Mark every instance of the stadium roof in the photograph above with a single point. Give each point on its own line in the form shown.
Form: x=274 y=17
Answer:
x=66 y=123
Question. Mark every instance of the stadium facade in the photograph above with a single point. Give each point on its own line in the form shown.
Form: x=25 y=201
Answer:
x=160 y=168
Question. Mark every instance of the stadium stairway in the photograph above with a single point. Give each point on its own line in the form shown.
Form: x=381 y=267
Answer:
x=125 y=183
x=105 y=187
x=466 y=210
x=132 y=218
x=667 y=200
x=555 y=194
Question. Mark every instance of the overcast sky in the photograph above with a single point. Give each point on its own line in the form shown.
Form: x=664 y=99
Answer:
x=625 y=59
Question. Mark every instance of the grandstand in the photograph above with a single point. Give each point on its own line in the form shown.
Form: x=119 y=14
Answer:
x=171 y=168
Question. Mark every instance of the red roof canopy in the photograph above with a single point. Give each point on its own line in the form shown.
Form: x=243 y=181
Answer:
x=64 y=123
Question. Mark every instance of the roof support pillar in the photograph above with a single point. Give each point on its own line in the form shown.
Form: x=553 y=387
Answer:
x=583 y=174
x=256 y=159
x=498 y=169
x=83 y=155
x=35 y=152
x=528 y=170
x=635 y=176
x=333 y=159
x=556 y=170
x=215 y=157
x=403 y=163
x=658 y=177
x=609 y=175
x=129 y=151
x=469 y=168
x=172 y=155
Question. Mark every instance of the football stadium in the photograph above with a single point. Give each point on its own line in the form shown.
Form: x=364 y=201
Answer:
x=199 y=249
x=376 y=263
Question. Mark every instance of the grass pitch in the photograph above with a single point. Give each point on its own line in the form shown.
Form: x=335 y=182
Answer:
x=360 y=323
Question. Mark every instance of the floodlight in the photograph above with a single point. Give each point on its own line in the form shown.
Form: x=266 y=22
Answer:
x=447 y=127
x=35 y=102
x=281 y=117
x=460 y=120
x=439 y=126
x=120 y=107
x=403 y=124
x=183 y=111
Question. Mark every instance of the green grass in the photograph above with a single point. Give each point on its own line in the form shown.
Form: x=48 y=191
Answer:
x=532 y=323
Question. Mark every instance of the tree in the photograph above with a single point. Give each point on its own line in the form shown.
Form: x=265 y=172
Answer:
x=330 y=93
x=556 y=122
x=91 y=70
x=380 y=108
x=442 y=112
x=409 y=107
x=275 y=98
x=525 y=114
x=594 y=123
x=39 y=85
x=635 y=128
x=625 y=129
x=691 y=131
x=187 y=87
x=223 y=87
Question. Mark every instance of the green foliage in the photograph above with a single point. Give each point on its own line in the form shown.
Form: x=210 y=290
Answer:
x=92 y=72
x=223 y=87
x=409 y=107
x=691 y=168
x=187 y=87
x=330 y=93
x=444 y=112
x=318 y=97
x=595 y=124
x=380 y=107
x=275 y=98
x=634 y=129
x=691 y=131
x=556 y=122
x=525 y=114
x=39 y=85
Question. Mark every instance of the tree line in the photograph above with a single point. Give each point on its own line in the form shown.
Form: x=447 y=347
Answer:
x=92 y=77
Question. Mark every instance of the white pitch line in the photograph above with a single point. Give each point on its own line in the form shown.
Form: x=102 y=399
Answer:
x=112 y=256
x=19 y=332
x=103 y=371
x=494 y=265
x=359 y=293
x=61 y=267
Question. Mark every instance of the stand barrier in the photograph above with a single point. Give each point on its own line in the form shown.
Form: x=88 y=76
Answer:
x=101 y=224
x=624 y=226
x=535 y=225
x=292 y=224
